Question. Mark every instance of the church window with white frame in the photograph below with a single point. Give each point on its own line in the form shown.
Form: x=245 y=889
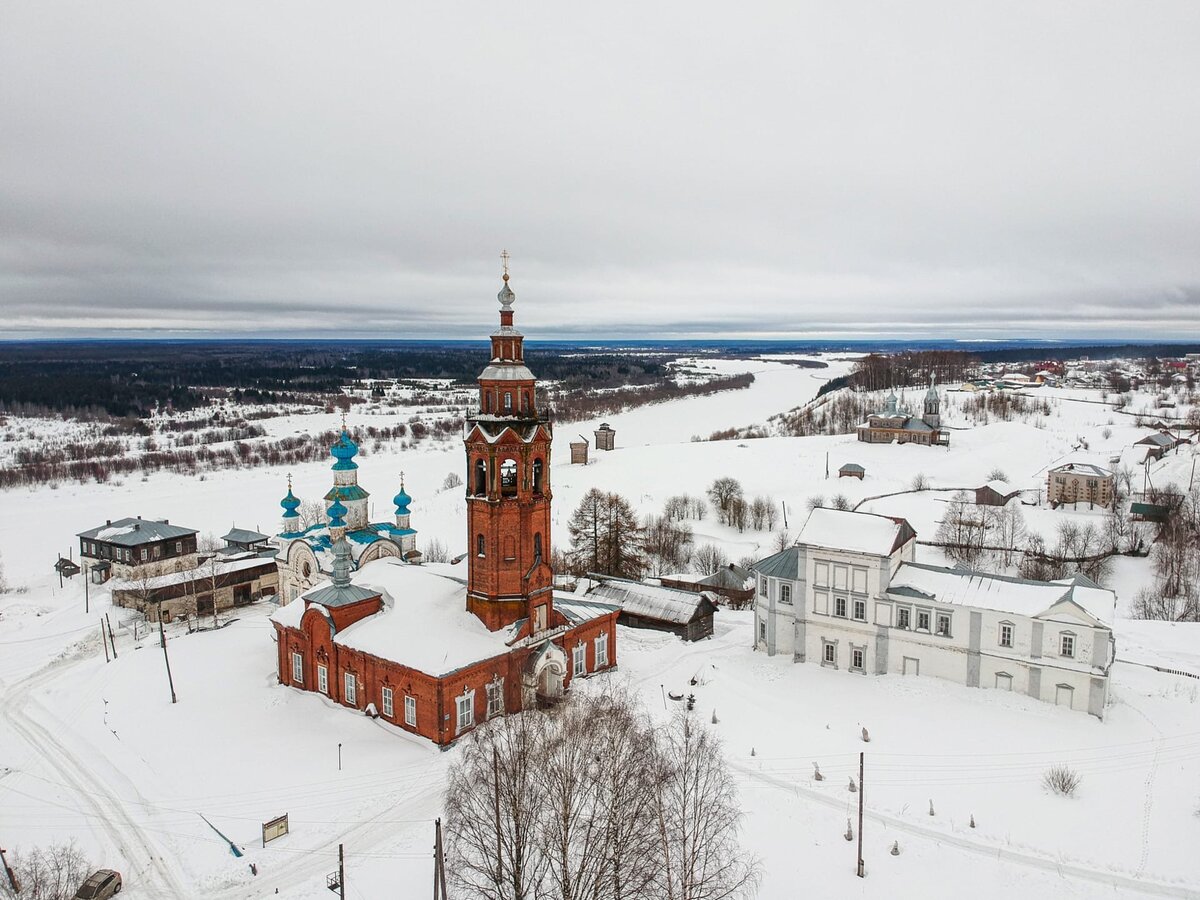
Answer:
x=601 y=649
x=389 y=702
x=465 y=709
x=297 y=668
x=350 y=684
x=579 y=659
x=495 y=698
x=410 y=711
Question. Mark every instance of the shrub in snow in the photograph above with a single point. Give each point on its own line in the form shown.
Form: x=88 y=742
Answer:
x=972 y=820
x=997 y=474
x=866 y=736
x=714 y=717
x=895 y=848
x=931 y=807
x=817 y=776
x=853 y=787
x=920 y=482
x=452 y=480
x=1061 y=779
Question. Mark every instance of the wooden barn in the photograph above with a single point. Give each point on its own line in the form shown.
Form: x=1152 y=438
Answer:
x=685 y=613
x=995 y=493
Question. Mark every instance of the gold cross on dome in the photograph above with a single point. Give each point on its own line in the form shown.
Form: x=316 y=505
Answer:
x=504 y=260
x=343 y=420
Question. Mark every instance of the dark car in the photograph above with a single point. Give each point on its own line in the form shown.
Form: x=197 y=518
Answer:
x=101 y=884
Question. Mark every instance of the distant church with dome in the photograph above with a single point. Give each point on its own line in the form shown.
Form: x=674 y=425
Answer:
x=895 y=423
x=306 y=556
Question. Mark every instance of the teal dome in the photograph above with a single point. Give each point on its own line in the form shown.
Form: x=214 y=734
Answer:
x=337 y=513
x=290 y=504
x=344 y=450
x=402 y=500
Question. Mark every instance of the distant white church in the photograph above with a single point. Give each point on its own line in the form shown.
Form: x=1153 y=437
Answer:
x=849 y=595
x=306 y=553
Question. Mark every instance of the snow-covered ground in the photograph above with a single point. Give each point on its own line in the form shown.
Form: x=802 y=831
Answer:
x=96 y=751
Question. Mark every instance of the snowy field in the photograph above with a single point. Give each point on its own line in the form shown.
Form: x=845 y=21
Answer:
x=95 y=751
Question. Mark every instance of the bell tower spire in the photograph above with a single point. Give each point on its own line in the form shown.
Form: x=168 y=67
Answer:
x=508 y=491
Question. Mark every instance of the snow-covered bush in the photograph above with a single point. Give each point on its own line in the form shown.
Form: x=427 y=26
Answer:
x=920 y=482
x=452 y=480
x=1061 y=779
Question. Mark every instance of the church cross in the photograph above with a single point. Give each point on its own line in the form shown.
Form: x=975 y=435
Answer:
x=504 y=259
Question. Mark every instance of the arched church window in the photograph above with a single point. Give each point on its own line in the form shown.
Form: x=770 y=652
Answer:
x=537 y=546
x=488 y=401
x=537 y=476
x=508 y=477
x=480 y=477
x=508 y=401
x=307 y=569
x=480 y=545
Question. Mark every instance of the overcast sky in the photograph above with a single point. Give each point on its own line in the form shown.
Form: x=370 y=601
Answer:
x=798 y=169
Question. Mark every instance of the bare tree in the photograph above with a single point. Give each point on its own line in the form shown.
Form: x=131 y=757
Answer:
x=311 y=512
x=783 y=540
x=667 y=544
x=494 y=801
x=1008 y=528
x=49 y=873
x=435 y=551
x=451 y=481
x=698 y=819
x=816 y=501
x=723 y=492
x=920 y=482
x=708 y=559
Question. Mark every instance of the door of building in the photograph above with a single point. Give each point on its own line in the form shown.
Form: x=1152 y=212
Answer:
x=911 y=666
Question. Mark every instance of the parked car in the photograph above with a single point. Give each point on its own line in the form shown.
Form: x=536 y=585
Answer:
x=101 y=884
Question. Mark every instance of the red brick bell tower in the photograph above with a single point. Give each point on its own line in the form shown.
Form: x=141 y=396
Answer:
x=508 y=487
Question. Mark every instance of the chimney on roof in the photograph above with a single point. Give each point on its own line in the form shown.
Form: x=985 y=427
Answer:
x=137 y=526
x=108 y=521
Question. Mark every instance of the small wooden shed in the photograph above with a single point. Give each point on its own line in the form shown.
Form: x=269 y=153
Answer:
x=852 y=470
x=995 y=493
x=579 y=452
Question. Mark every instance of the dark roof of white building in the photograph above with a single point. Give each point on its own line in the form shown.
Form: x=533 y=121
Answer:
x=134 y=532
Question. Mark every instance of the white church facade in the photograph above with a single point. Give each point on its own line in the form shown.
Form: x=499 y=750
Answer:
x=306 y=555
x=850 y=596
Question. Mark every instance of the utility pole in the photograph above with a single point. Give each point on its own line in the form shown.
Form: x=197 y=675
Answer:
x=86 y=578
x=861 y=791
x=439 y=864
x=339 y=756
x=111 y=639
x=162 y=636
x=104 y=641
x=12 y=876
x=342 y=871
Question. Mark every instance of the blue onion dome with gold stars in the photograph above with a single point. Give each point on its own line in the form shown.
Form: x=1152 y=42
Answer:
x=337 y=513
x=344 y=450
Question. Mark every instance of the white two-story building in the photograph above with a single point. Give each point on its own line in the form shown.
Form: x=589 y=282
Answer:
x=850 y=595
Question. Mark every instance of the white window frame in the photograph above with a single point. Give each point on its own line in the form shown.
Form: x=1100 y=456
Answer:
x=179 y=546
x=350 y=688
x=861 y=654
x=388 y=700
x=1007 y=635
x=904 y=618
x=762 y=585
x=829 y=653
x=785 y=593
x=937 y=621
x=602 y=649
x=762 y=631
x=297 y=668
x=579 y=660
x=410 y=711
x=840 y=607
x=464 y=712
x=856 y=605
x=323 y=679
x=1066 y=644
x=928 y=620
x=495 y=698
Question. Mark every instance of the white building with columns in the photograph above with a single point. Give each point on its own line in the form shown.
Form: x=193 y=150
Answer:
x=850 y=595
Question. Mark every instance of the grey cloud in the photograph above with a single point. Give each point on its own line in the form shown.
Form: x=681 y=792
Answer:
x=997 y=169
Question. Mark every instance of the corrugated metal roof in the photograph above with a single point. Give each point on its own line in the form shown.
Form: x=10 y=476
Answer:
x=651 y=601
x=135 y=531
x=244 y=536
x=784 y=564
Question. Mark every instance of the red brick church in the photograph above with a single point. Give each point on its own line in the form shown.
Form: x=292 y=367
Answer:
x=425 y=649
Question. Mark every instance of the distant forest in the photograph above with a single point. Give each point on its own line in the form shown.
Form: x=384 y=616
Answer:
x=131 y=379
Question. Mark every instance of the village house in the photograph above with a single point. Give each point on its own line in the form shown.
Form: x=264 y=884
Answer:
x=119 y=549
x=730 y=583
x=217 y=582
x=995 y=493
x=895 y=423
x=1160 y=443
x=431 y=649
x=686 y=613
x=852 y=470
x=1080 y=482
x=851 y=596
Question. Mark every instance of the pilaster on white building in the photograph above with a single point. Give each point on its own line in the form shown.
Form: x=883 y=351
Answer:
x=850 y=596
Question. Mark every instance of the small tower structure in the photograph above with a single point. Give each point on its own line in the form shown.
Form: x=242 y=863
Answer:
x=606 y=438
x=402 y=513
x=507 y=447
x=932 y=415
x=346 y=489
x=290 y=520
